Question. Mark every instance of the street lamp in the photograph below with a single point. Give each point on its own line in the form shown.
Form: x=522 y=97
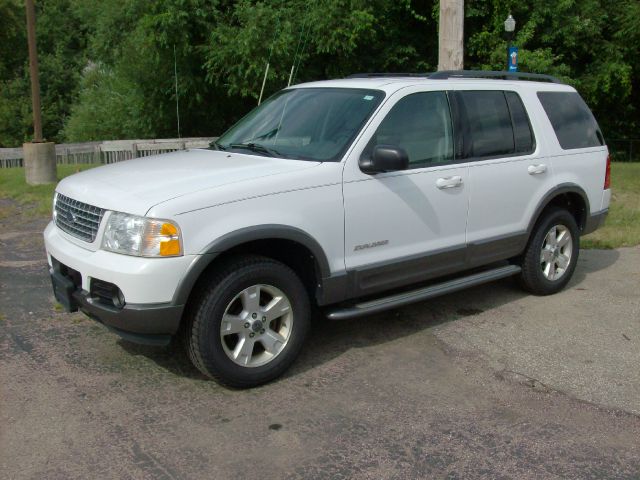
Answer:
x=510 y=25
x=512 y=51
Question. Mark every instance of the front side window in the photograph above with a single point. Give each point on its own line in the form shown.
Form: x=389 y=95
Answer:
x=304 y=123
x=419 y=123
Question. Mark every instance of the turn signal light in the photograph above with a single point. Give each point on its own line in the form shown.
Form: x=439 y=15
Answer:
x=170 y=244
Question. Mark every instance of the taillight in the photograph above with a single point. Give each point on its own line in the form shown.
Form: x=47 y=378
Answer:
x=607 y=175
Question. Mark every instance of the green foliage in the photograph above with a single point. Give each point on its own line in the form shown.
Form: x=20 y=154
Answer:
x=61 y=45
x=129 y=89
x=12 y=37
x=15 y=111
x=324 y=39
x=13 y=86
x=107 y=66
x=110 y=106
x=574 y=40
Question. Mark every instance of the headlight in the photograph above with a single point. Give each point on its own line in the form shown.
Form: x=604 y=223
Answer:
x=142 y=237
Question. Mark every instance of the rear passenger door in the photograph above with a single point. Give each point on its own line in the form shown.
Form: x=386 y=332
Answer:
x=508 y=172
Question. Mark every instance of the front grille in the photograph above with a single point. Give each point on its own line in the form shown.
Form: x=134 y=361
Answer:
x=78 y=219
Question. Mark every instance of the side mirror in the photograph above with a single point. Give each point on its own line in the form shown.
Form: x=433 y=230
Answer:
x=385 y=158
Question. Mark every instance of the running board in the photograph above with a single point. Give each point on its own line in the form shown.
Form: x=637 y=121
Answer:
x=405 y=298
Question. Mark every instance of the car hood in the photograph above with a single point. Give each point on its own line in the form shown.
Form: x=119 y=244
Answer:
x=134 y=186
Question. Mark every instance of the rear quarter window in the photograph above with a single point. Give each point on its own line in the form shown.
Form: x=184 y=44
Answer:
x=574 y=124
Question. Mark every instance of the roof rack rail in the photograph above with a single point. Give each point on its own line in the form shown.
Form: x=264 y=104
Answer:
x=536 y=77
x=447 y=74
x=392 y=75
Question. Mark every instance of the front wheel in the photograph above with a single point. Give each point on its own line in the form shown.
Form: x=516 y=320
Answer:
x=552 y=253
x=249 y=322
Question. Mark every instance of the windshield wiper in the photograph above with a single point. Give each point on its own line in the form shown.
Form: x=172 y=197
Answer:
x=256 y=147
x=216 y=145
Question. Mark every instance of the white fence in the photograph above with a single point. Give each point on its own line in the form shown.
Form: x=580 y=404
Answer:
x=107 y=152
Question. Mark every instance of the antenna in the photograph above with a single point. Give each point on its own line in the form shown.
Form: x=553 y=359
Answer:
x=304 y=44
x=264 y=80
x=266 y=70
x=175 y=74
x=304 y=24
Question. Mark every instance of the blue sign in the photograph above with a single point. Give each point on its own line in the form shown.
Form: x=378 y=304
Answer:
x=512 y=59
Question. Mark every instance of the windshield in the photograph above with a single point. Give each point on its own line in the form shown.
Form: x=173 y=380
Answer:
x=305 y=123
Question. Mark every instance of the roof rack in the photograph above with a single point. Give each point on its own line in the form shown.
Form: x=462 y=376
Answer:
x=447 y=74
x=391 y=75
x=536 y=77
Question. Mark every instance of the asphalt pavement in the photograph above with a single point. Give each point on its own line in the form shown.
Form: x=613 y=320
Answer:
x=485 y=383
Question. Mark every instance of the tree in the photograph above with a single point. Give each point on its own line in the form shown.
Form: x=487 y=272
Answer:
x=574 y=40
x=107 y=66
x=324 y=39
x=61 y=44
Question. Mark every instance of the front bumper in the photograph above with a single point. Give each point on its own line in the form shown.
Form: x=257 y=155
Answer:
x=150 y=314
x=151 y=324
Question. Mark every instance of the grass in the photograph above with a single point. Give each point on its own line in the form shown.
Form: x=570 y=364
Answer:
x=32 y=200
x=621 y=229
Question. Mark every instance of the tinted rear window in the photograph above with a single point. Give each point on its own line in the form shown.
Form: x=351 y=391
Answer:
x=573 y=122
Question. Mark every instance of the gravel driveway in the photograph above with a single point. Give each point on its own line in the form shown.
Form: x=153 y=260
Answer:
x=486 y=383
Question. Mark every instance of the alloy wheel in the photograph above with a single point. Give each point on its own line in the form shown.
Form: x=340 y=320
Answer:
x=557 y=249
x=256 y=325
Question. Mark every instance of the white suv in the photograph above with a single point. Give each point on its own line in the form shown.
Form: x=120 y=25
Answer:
x=352 y=196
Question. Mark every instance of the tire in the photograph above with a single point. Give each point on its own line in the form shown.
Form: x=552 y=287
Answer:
x=548 y=264
x=248 y=322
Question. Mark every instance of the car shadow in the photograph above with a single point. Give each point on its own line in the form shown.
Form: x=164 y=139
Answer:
x=330 y=339
x=591 y=261
x=172 y=358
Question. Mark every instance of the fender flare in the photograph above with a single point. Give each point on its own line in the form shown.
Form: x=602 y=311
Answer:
x=551 y=194
x=245 y=235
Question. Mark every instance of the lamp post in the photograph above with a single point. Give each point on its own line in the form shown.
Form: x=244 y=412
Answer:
x=512 y=51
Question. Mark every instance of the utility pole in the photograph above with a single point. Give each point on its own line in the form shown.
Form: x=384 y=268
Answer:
x=451 y=35
x=39 y=156
x=33 y=71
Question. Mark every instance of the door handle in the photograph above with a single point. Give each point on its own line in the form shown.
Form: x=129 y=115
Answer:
x=449 y=182
x=537 y=169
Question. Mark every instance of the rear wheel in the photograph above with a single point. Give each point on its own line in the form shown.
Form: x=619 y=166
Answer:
x=249 y=323
x=552 y=253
